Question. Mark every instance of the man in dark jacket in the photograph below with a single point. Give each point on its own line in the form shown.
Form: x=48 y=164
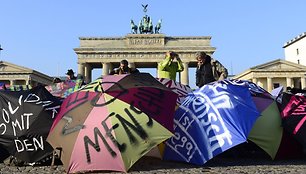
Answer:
x=124 y=69
x=208 y=70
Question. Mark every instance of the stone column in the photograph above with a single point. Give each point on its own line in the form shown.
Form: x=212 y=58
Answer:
x=12 y=82
x=259 y=83
x=184 y=74
x=105 y=68
x=81 y=69
x=303 y=82
x=157 y=75
x=269 y=84
x=87 y=73
x=254 y=80
x=288 y=82
x=28 y=81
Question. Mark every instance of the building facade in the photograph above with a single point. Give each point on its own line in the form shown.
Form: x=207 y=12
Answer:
x=276 y=73
x=295 y=49
x=141 y=50
x=12 y=74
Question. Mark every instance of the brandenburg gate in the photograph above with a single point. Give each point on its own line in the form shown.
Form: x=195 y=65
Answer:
x=142 y=50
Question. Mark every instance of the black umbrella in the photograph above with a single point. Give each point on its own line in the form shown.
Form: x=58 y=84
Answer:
x=293 y=113
x=25 y=120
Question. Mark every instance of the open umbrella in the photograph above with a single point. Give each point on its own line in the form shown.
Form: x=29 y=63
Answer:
x=180 y=89
x=27 y=117
x=267 y=132
x=15 y=87
x=211 y=120
x=277 y=91
x=110 y=123
x=2 y=86
x=294 y=116
x=61 y=89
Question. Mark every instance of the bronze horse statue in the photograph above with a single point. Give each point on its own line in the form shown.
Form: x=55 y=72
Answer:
x=133 y=27
x=158 y=26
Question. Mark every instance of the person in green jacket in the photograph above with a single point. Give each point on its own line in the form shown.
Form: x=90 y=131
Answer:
x=167 y=68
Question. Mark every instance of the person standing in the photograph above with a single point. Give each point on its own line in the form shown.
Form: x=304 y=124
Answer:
x=167 y=68
x=208 y=70
x=70 y=75
x=56 y=80
x=124 y=69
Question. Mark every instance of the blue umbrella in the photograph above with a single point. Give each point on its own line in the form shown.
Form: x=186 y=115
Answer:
x=211 y=120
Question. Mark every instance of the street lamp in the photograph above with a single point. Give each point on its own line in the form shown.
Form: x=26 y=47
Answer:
x=0 y=51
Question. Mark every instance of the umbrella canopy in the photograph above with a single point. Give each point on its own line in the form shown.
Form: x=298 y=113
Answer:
x=27 y=117
x=211 y=120
x=294 y=116
x=15 y=87
x=180 y=89
x=63 y=89
x=277 y=91
x=267 y=132
x=110 y=123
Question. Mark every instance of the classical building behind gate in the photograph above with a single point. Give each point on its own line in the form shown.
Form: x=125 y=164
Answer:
x=12 y=74
x=276 y=73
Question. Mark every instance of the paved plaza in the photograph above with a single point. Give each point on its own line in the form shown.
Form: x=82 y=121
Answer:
x=215 y=166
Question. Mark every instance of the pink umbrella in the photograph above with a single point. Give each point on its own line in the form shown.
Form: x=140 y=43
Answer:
x=109 y=124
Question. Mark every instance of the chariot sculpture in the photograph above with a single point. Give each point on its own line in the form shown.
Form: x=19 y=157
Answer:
x=145 y=25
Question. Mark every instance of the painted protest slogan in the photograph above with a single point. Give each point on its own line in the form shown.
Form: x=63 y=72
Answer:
x=115 y=123
x=294 y=113
x=211 y=120
x=25 y=120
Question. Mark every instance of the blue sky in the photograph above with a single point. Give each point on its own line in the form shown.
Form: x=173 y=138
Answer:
x=41 y=35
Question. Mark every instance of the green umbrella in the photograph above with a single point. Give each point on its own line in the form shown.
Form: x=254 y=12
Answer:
x=267 y=131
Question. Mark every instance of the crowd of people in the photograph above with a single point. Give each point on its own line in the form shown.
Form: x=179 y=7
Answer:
x=208 y=69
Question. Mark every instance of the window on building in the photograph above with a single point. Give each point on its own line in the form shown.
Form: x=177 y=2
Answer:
x=297 y=51
x=276 y=85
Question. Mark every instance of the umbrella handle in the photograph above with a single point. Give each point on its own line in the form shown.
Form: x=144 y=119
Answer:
x=54 y=154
